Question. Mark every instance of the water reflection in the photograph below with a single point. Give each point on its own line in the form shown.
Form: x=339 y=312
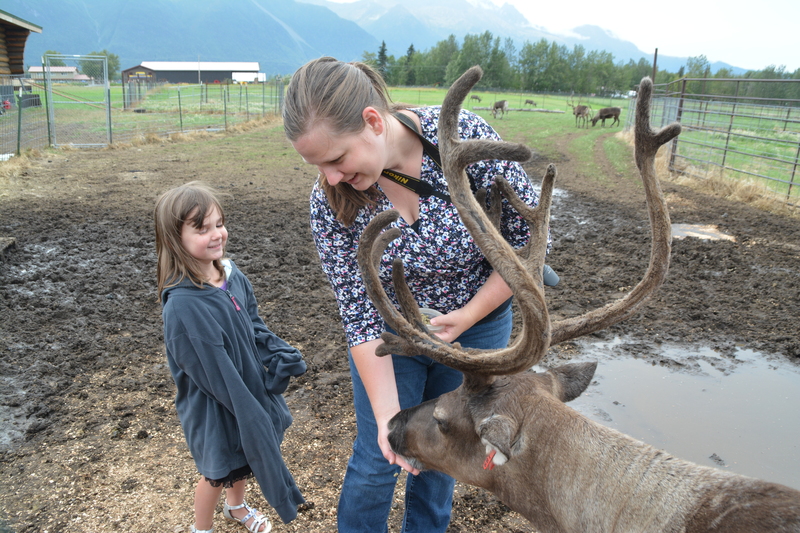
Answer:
x=740 y=414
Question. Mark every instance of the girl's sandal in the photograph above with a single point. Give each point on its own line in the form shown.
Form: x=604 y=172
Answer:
x=192 y=529
x=258 y=518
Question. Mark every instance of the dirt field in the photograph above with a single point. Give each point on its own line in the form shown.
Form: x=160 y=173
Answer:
x=86 y=398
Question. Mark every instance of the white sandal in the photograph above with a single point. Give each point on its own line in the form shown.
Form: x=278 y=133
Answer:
x=192 y=529
x=258 y=518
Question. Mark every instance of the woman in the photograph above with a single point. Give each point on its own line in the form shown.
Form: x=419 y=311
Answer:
x=338 y=117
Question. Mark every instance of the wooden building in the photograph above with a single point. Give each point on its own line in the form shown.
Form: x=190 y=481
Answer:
x=188 y=71
x=14 y=32
x=56 y=74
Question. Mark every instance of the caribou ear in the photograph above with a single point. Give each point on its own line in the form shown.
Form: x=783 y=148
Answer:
x=500 y=435
x=572 y=379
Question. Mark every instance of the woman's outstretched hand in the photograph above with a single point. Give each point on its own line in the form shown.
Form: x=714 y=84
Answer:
x=393 y=458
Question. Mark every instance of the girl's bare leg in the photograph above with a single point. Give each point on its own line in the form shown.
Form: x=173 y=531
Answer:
x=206 y=497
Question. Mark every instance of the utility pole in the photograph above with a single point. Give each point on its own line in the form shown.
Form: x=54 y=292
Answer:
x=655 y=66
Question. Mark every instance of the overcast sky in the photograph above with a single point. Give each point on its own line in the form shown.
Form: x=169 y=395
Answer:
x=747 y=34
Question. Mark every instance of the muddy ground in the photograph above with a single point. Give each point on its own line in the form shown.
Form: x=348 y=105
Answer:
x=92 y=442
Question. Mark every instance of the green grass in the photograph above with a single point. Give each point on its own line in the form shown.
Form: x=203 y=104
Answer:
x=620 y=154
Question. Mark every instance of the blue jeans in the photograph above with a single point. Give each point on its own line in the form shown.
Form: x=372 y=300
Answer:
x=369 y=481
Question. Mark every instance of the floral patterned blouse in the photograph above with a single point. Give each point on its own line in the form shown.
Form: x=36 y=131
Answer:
x=444 y=267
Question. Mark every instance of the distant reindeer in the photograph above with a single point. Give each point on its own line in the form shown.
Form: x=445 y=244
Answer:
x=607 y=112
x=475 y=97
x=501 y=106
x=582 y=113
x=530 y=102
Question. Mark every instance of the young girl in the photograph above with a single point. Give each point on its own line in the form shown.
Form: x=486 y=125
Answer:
x=338 y=117
x=229 y=369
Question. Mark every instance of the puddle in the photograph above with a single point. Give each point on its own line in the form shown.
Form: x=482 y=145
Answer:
x=707 y=232
x=738 y=414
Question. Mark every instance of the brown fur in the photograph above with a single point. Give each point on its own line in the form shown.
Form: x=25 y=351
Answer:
x=582 y=114
x=566 y=473
x=501 y=106
x=607 y=112
x=530 y=102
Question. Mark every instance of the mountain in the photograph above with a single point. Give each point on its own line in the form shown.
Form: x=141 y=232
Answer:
x=423 y=23
x=283 y=34
x=280 y=34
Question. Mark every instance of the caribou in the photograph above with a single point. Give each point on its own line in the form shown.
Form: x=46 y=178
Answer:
x=502 y=106
x=475 y=97
x=530 y=102
x=607 y=112
x=582 y=113
x=507 y=428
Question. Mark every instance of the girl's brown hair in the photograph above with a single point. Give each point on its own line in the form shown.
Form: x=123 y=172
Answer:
x=190 y=203
x=329 y=91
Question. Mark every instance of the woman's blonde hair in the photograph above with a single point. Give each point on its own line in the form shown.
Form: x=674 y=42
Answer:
x=335 y=93
x=190 y=203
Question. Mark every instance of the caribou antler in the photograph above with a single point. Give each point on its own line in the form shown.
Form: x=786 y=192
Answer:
x=521 y=269
x=647 y=142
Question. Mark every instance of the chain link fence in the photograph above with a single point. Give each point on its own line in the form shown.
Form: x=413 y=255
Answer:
x=80 y=101
x=72 y=104
x=23 y=117
x=733 y=134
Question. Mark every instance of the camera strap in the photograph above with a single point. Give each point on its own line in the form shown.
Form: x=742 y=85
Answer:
x=422 y=188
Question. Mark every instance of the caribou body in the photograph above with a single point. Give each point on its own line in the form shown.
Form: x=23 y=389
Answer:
x=582 y=114
x=607 y=112
x=501 y=106
x=506 y=428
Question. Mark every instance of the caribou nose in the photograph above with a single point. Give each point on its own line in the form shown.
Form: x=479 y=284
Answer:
x=397 y=434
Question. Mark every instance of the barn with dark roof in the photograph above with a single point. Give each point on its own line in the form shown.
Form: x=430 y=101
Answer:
x=188 y=71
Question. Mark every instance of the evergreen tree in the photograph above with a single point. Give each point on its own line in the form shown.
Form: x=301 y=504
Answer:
x=383 y=60
x=411 y=77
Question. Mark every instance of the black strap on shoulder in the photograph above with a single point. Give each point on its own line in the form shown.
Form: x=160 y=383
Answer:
x=428 y=147
x=420 y=187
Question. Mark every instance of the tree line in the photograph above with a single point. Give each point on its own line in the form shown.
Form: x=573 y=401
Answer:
x=546 y=66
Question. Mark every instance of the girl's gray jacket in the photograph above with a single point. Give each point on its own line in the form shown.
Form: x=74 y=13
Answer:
x=230 y=371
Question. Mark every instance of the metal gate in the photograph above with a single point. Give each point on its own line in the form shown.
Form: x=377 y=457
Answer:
x=80 y=99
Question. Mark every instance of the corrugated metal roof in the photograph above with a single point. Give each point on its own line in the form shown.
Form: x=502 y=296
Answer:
x=201 y=65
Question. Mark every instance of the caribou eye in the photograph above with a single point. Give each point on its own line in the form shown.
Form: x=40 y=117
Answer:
x=441 y=424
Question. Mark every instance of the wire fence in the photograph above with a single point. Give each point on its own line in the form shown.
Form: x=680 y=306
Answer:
x=747 y=138
x=90 y=114
x=23 y=117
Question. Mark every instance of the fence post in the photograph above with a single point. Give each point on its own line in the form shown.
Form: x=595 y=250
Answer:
x=47 y=107
x=678 y=118
x=730 y=126
x=794 y=172
x=180 y=109
x=225 y=106
x=19 y=124
x=246 y=104
x=108 y=108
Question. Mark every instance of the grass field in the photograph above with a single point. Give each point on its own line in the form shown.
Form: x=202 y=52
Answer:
x=754 y=144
